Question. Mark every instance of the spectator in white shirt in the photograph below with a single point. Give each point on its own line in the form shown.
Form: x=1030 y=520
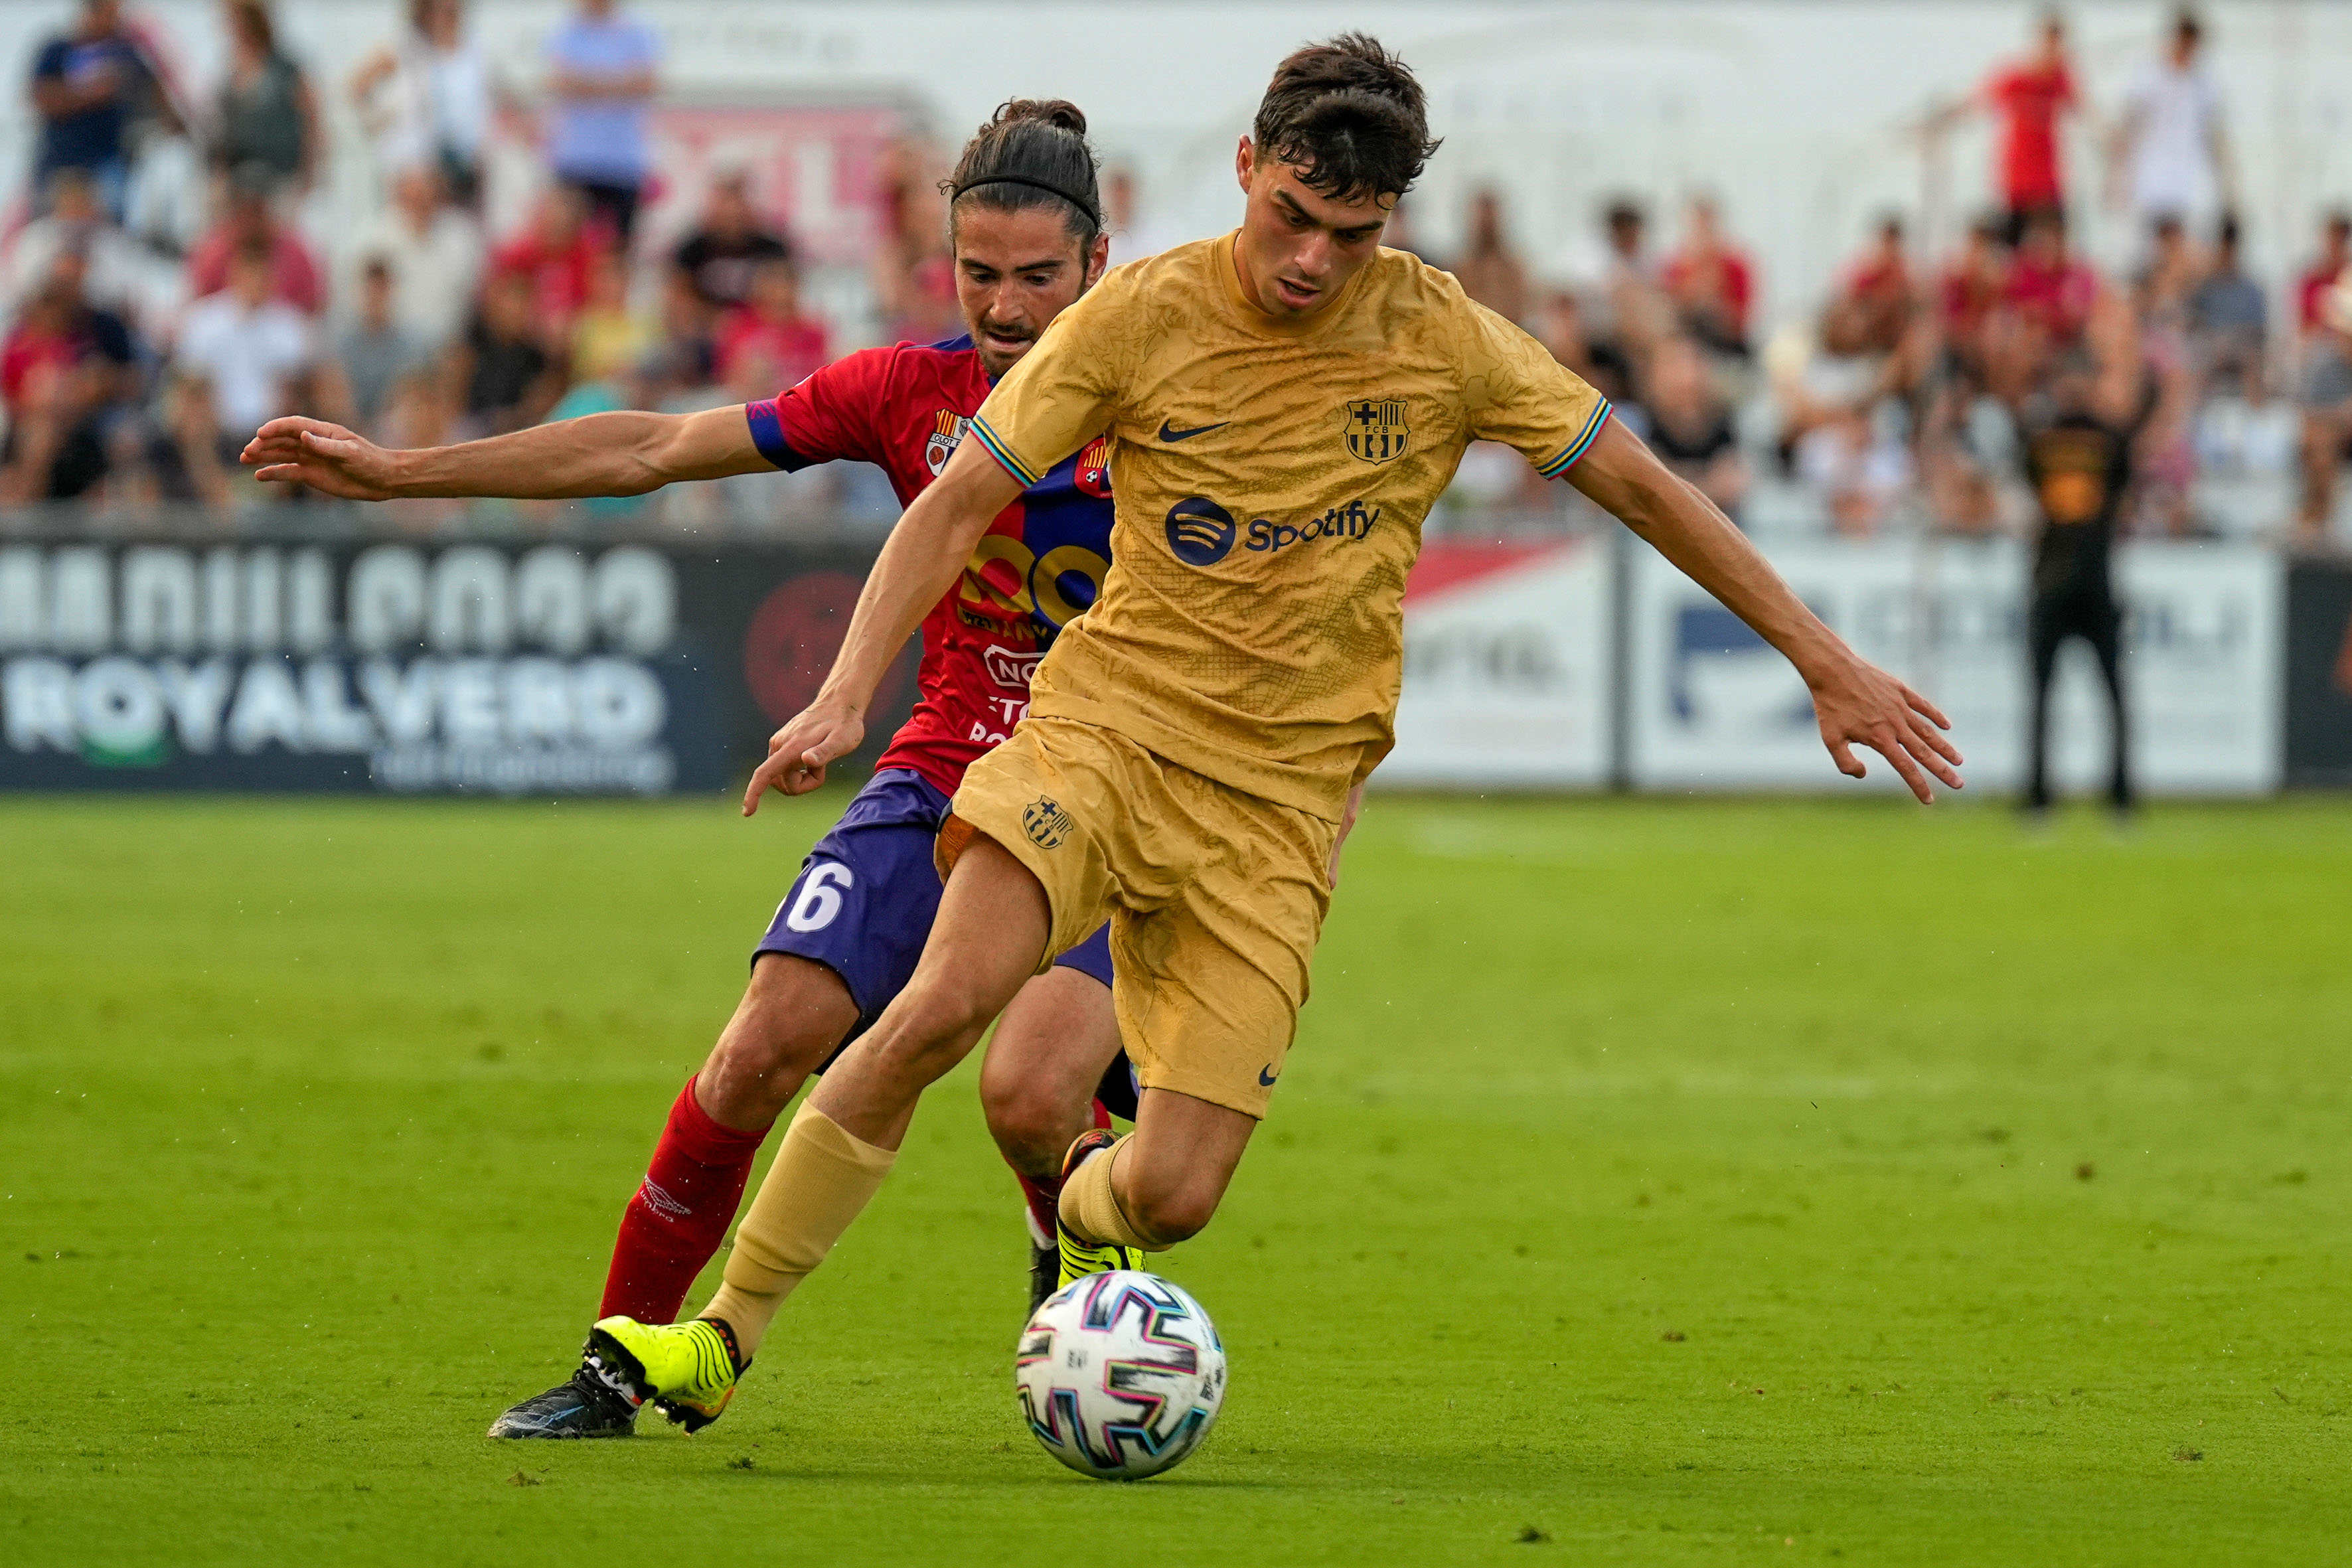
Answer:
x=427 y=98
x=2169 y=154
x=249 y=346
x=77 y=222
x=434 y=252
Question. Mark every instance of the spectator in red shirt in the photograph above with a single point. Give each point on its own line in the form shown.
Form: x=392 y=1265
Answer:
x=1875 y=306
x=2046 y=284
x=2046 y=303
x=66 y=372
x=2029 y=96
x=2334 y=263
x=767 y=341
x=557 y=256
x=1711 y=282
x=295 y=277
x=1970 y=290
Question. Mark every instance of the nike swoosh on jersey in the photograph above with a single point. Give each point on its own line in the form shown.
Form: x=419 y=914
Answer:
x=1169 y=433
x=1268 y=1082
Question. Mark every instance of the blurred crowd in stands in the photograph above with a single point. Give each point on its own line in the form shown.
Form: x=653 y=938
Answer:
x=135 y=365
x=1900 y=406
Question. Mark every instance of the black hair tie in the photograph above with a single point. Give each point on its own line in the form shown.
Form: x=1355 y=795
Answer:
x=1086 y=208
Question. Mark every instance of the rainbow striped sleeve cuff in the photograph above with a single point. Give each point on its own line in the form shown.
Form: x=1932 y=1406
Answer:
x=1575 y=449
x=998 y=449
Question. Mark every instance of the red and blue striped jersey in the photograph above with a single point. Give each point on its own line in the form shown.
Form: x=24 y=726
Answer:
x=1041 y=563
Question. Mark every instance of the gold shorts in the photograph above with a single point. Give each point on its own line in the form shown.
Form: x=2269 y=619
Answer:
x=1216 y=897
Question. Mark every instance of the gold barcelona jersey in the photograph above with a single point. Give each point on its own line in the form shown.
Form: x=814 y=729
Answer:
x=1271 y=478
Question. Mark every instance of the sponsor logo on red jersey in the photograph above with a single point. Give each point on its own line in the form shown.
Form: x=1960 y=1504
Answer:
x=1007 y=668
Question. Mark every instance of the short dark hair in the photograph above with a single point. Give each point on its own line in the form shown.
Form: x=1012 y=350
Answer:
x=1032 y=153
x=1348 y=116
x=2186 y=24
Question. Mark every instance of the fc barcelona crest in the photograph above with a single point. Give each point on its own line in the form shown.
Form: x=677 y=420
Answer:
x=1376 y=429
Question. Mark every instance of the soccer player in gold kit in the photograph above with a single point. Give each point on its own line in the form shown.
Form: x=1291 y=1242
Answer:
x=1285 y=403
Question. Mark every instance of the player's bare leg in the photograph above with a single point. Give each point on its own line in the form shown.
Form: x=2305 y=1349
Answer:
x=984 y=945
x=1162 y=1185
x=1037 y=1087
x=793 y=1014
x=1038 y=1083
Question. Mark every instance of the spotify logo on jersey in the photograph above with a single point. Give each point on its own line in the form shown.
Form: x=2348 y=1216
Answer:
x=1199 y=531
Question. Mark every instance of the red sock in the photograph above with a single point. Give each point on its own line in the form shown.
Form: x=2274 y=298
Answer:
x=680 y=1213
x=1045 y=1198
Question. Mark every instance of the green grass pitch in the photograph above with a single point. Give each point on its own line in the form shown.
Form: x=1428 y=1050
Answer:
x=1663 y=1181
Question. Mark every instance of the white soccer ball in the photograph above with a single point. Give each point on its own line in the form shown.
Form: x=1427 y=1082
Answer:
x=1120 y=1376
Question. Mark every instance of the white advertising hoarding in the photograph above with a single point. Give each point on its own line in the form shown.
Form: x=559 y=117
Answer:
x=1506 y=666
x=1711 y=707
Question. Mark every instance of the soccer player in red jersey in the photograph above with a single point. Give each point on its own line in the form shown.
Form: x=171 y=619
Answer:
x=1028 y=241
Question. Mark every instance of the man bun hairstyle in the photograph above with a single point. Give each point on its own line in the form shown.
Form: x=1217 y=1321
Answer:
x=1348 y=116
x=1032 y=153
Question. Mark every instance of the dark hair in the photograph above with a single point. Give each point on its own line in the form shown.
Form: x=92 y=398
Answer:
x=1348 y=116
x=2186 y=24
x=253 y=15
x=1032 y=153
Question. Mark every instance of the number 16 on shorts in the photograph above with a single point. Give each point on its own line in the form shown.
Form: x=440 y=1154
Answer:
x=816 y=902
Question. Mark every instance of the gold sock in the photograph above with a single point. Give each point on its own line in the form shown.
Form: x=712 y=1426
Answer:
x=822 y=1178
x=1090 y=1207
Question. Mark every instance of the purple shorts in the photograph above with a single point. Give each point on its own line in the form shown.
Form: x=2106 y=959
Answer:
x=866 y=898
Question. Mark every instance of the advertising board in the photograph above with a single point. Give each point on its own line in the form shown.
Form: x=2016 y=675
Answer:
x=1712 y=707
x=1506 y=666
x=2319 y=673
x=558 y=667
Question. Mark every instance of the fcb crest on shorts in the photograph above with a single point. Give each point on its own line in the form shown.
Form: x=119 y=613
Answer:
x=1045 y=822
x=946 y=434
x=1376 y=429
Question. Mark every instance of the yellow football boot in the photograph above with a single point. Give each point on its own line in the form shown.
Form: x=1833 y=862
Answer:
x=688 y=1370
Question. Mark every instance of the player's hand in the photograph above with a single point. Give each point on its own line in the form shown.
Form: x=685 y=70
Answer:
x=327 y=457
x=1859 y=704
x=824 y=732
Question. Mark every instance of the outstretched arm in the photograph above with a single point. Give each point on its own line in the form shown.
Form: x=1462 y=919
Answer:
x=1856 y=702
x=623 y=454
x=932 y=544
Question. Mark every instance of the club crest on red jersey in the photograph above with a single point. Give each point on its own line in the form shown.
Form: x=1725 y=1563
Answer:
x=1376 y=430
x=947 y=433
x=1093 y=475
